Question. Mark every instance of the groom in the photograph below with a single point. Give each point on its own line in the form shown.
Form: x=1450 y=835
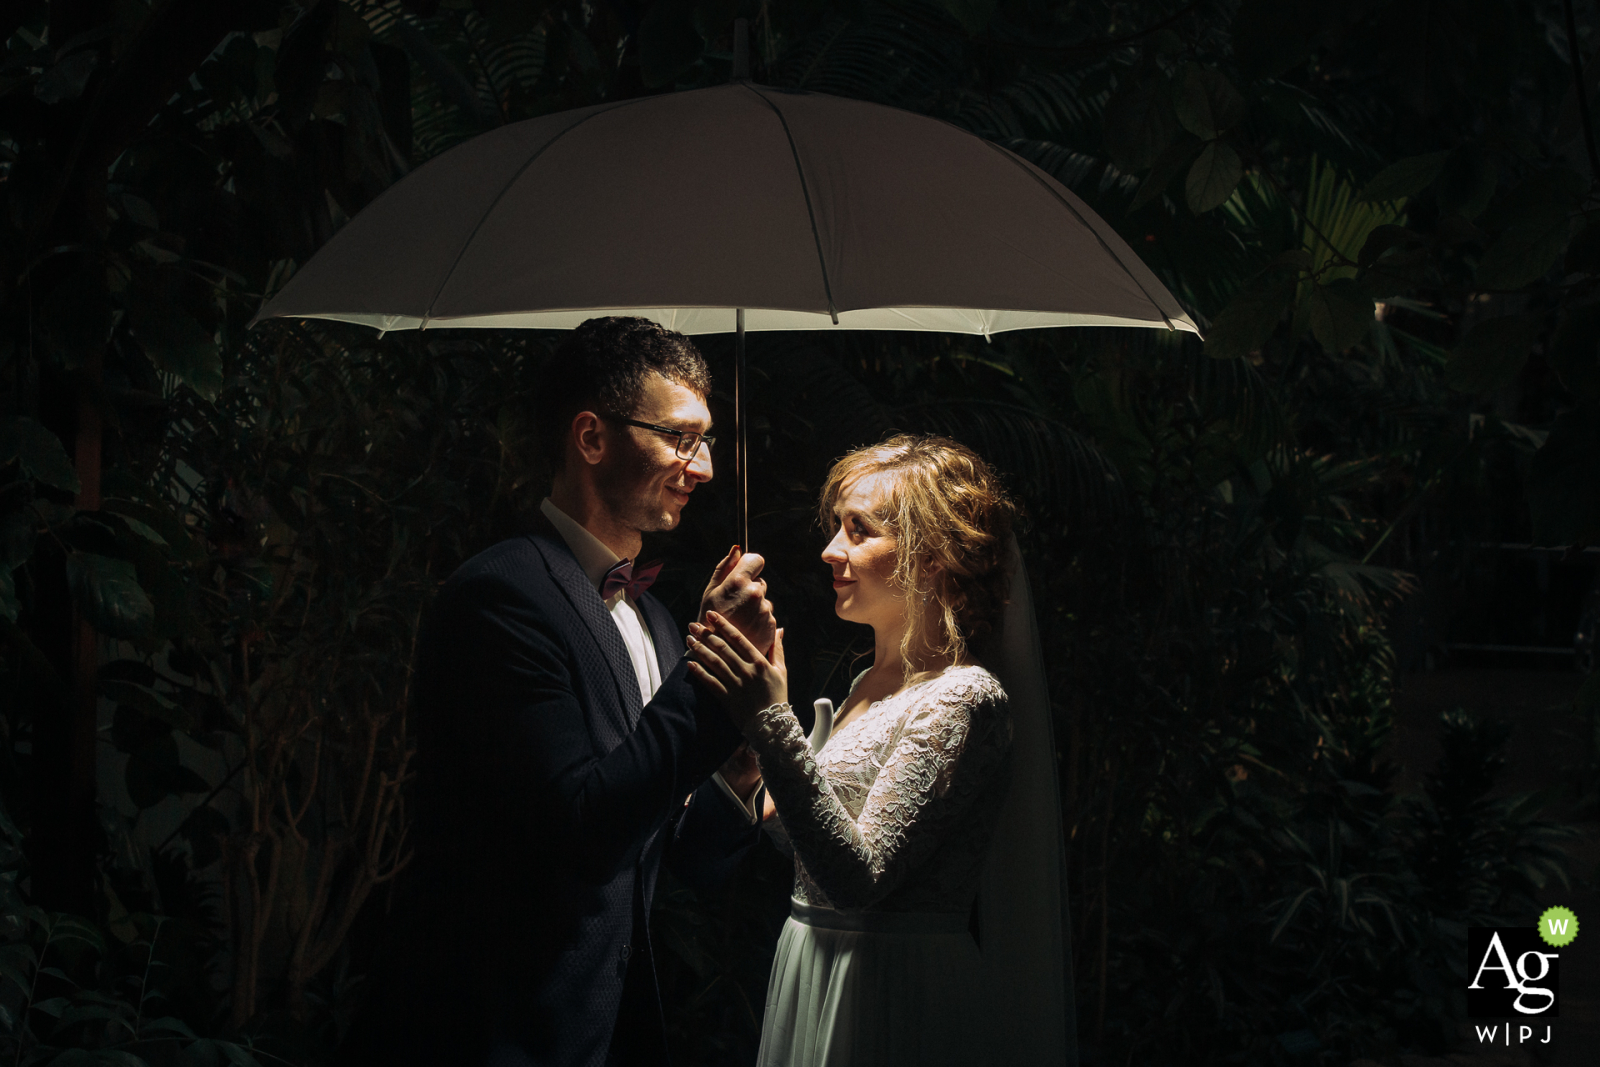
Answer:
x=561 y=749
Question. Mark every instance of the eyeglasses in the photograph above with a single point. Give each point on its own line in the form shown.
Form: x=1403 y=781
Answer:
x=689 y=442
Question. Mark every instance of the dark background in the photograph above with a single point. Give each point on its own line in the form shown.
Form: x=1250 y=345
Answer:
x=1318 y=594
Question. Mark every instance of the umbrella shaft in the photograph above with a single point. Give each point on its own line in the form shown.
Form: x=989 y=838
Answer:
x=741 y=456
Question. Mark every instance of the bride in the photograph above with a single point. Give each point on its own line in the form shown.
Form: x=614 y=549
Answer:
x=930 y=787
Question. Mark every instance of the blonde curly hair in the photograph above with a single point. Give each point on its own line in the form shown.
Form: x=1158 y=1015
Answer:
x=950 y=519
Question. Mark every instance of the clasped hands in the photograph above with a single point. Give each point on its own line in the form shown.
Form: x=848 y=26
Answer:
x=736 y=653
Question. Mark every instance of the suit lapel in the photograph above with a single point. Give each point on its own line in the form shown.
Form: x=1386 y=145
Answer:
x=602 y=627
x=664 y=633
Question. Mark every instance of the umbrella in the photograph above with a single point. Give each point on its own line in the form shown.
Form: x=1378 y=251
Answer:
x=734 y=208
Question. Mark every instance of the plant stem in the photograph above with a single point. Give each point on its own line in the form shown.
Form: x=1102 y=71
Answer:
x=33 y=986
x=144 y=982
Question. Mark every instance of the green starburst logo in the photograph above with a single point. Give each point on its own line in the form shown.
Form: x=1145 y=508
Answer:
x=1558 y=926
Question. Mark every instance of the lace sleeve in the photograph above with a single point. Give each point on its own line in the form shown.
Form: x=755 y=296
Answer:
x=949 y=747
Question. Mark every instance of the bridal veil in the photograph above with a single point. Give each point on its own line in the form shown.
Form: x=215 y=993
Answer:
x=1023 y=926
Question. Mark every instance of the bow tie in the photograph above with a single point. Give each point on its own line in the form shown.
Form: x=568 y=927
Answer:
x=623 y=575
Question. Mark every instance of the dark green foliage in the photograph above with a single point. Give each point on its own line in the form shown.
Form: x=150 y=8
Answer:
x=714 y=954
x=130 y=987
x=1492 y=353
x=1397 y=267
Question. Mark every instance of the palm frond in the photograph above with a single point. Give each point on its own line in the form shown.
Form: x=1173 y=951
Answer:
x=815 y=398
x=1234 y=393
x=1076 y=170
x=874 y=55
x=1034 y=103
x=1337 y=224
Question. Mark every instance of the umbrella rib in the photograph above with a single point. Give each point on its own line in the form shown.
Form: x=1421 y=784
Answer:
x=428 y=312
x=1016 y=161
x=805 y=191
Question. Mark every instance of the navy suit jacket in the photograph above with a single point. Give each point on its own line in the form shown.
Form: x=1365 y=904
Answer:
x=546 y=797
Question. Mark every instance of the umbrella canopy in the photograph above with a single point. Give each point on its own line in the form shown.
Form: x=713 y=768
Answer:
x=809 y=211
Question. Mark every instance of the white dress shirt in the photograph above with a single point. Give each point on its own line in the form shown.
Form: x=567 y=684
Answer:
x=596 y=559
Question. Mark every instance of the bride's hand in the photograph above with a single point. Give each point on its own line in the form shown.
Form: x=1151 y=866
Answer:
x=725 y=661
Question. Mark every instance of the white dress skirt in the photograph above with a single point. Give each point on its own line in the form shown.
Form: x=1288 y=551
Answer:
x=885 y=989
x=889 y=823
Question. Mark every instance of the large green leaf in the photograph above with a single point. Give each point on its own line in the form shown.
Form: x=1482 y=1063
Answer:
x=148 y=701
x=107 y=591
x=1522 y=254
x=39 y=451
x=1250 y=317
x=141 y=530
x=1183 y=148
x=1213 y=177
x=1382 y=239
x=178 y=344
x=162 y=582
x=1466 y=181
x=146 y=519
x=1564 y=481
x=1536 y=221
x=155 y=772
x=1492 y=354
x=66 y=80
x=18 y=531
x=1206 y=103
x=202 y=1053
x=1341 y=314
x=1406 y=177
x=1397 y=273
x=1392 y=260
x=1139 y=123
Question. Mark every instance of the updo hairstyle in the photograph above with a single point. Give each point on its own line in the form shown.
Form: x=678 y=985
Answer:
x=950 y=519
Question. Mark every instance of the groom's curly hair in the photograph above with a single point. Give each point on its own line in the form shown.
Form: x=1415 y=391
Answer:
x=951 y=520
x=602 y=366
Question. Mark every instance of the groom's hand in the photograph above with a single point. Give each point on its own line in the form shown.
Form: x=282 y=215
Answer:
x=737 y=593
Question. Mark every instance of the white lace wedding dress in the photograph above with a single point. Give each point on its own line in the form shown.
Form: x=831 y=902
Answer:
x=889 y=825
